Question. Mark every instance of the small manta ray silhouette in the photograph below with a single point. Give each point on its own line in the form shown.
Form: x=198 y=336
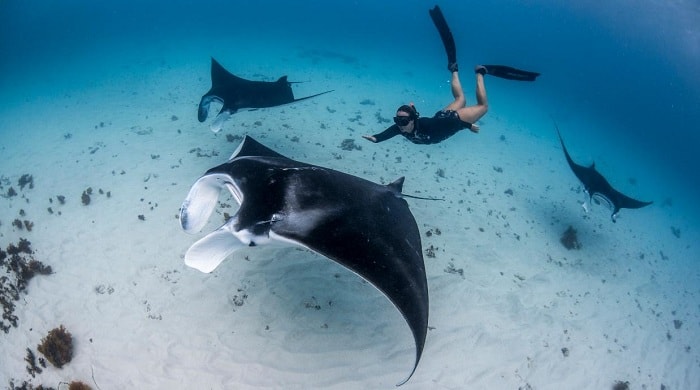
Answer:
x=234 y=93
x=596 y=185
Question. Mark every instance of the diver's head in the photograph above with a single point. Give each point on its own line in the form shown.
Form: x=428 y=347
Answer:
x=409 y=109
x=405 y=117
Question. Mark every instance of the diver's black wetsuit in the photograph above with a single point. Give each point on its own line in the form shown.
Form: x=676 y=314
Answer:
x=429 y=130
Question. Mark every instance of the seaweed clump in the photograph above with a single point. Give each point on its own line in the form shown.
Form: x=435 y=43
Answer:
x=349 y=144
x=85 y=197
x=570 y=239
x=26 y=180
x=620 y=385
x=78 y=385
x=17 y=266
x=28 y=386
x=57 y=346
x=32 y=367
x=75 y=385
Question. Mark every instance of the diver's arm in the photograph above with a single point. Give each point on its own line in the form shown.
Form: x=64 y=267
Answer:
x=390 y=132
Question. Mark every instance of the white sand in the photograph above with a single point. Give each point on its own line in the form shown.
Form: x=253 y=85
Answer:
x=288 y=318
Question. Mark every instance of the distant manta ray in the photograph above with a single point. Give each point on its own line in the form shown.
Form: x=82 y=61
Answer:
x=234 y=93
x=596 y=185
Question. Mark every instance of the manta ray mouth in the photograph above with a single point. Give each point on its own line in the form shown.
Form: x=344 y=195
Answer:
x=235 y=192
x=602 y=199
x=202 y=200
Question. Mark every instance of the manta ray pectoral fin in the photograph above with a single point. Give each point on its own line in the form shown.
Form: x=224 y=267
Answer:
x=201 y=201
x=206 y=254
x=251 y=147
x=624 y=201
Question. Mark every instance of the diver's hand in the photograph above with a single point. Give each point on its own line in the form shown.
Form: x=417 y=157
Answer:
x=370 y=138
x=475 y=128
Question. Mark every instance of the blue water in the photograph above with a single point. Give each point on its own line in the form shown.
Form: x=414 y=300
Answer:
x=629 y=67
x=621 y=79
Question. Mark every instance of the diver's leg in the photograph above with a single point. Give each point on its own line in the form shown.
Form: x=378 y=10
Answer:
x=473 y=113
x=481 y=98
x=458 y=94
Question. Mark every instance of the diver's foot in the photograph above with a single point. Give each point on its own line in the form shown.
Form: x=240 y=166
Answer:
x=480 y=69
x=452 y=67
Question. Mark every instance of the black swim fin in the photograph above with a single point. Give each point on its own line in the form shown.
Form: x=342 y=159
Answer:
x=446 y=35
x=506 y=72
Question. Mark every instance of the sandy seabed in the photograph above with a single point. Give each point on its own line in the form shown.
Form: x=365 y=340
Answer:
x=510 y=306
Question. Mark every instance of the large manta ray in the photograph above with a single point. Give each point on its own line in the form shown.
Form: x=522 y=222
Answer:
x=364 y=226
x=596 y=185
x=235 y=93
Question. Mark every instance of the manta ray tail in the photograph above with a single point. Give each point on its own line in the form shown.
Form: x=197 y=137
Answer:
x=566 y=152
x=312 y=96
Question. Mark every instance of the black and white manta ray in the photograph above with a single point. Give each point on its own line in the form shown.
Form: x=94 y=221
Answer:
x=366 y=227
x=235 y=93
x=597 y=186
